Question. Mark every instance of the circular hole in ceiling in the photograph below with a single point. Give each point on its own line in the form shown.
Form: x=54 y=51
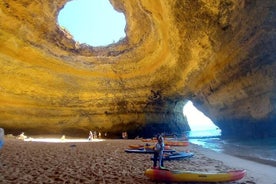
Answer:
x=93 y=22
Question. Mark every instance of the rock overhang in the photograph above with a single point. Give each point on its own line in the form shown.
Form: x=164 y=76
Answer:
x=217 y=54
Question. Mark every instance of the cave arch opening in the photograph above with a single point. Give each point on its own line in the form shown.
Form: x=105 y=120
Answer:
x=95 y=23
x=200 y=124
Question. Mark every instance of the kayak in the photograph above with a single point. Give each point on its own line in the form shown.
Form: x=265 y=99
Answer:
x=146 y=146
x=176 y=155
x=149 y=140
x=1 y=143
x=177 y=143
x=147 y=151
x=169 y=142
x=166 y=175
x=1 y=137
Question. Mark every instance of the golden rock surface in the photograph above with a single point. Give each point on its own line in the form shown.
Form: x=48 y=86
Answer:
x=218 y=54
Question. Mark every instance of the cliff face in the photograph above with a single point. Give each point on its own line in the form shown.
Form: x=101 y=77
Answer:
x=218 y=54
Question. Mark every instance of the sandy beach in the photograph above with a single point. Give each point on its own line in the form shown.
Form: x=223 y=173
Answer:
x=106 y=161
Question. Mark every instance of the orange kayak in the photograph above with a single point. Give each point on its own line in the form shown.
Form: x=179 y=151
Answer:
x=148 y=140
x=169 y=142
x=177 y=143
x=141 y=146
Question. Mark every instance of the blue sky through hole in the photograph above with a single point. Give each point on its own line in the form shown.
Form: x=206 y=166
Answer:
x=97 y=23
x=94 y=22
x=196 y=119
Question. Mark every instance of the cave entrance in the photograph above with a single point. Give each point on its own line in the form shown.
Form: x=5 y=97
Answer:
x=95 y=23
x=201 y=125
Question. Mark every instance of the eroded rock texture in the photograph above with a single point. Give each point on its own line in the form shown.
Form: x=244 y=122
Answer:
x=218 y=54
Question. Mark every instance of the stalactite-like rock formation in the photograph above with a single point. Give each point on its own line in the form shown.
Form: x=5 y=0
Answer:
x=219 y=54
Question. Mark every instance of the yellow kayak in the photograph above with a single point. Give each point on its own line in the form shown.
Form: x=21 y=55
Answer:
x=166 y=175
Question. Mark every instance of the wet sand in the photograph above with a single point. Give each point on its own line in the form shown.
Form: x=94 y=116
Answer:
x=107 y=162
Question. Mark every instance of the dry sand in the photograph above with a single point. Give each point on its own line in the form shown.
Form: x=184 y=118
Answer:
x=106 y=162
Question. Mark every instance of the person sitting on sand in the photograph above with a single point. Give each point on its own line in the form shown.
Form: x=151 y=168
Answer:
x=63 y=137
x=22 y=136
x=158 y=152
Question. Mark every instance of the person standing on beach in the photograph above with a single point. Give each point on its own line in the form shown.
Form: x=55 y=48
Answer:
x=90 y=136
x=158 y=152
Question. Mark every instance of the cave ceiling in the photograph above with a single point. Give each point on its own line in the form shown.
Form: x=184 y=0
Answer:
x=218 y=54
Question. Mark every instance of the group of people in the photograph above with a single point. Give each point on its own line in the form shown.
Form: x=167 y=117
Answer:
x=158 y=148
x=93 y=135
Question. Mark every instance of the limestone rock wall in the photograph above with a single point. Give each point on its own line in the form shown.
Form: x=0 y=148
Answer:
x=219 y=54
x=238 y=92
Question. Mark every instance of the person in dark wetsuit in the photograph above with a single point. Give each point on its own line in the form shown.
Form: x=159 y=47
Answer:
x=158 y=152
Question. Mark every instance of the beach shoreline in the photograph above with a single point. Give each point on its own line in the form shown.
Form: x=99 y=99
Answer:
x=259 y=172
x=105 y=161
x=254 y=159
